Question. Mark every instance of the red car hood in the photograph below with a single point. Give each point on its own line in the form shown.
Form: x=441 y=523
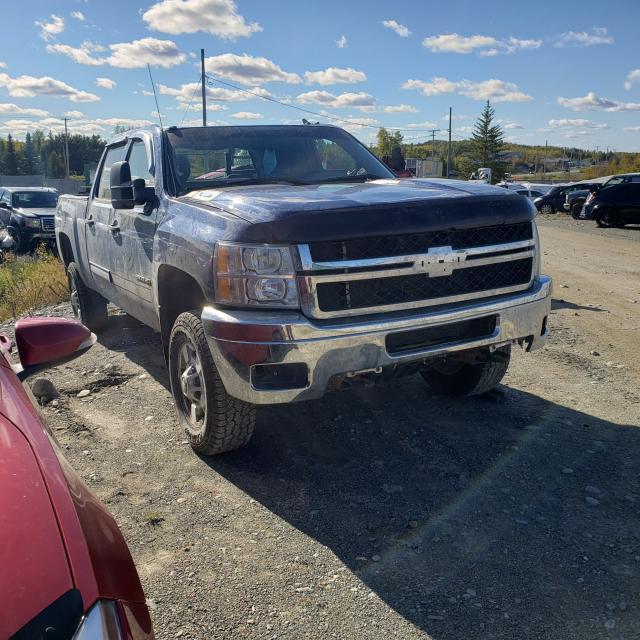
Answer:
x=35 y=570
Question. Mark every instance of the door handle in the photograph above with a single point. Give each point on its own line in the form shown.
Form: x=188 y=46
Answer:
x=90 y=221
x=114 y=227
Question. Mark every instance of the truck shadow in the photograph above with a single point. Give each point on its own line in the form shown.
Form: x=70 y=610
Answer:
x=470 y=519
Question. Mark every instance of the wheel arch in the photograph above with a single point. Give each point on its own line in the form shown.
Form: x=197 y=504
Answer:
x=65 y=249
x=177 y=291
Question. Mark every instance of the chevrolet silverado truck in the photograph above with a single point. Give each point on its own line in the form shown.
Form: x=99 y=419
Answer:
x=281 y=262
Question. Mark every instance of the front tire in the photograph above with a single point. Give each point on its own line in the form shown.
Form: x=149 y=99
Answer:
x=576 y=210
x=214 y=422
x=88 y=305
x=456 y=379
x=607 y=218
x=547 y=209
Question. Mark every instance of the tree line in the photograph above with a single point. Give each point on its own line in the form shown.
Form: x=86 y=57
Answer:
x=44 y=154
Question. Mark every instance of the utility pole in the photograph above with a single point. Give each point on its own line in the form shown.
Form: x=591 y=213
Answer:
x=449 y=146
x=544 y=160
x=66 y=146
x=204 y=89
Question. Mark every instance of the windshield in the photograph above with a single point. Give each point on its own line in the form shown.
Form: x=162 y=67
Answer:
x=219 y=156
x=35 y=199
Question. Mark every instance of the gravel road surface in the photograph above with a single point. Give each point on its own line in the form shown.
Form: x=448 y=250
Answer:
x=389 y=512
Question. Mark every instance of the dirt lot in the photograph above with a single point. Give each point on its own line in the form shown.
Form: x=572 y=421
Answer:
x=389 y=512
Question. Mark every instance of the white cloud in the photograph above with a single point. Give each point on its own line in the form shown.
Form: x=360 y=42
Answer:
x=494 y=90
x=632 y=77
x=465 y=129
x=124 y=55
x=105 y=83
x=10 y=108
x=74 y=114
x=484 y=45
x=334 y=75
x=512 y=125
x=457 y=117
x=218 y=17
x=632 y=129
x=342 y=42
x=361 y=100
x=30 y=86
x=576 y=122
x=399 y=108
x=51 y=29
x=3 y=65
x=247 y=115
x=77 y=124
x=400 y=29
x=422 y=125
x=249 y=70
x=593 y=102
x=78 y=15
x=598 y=35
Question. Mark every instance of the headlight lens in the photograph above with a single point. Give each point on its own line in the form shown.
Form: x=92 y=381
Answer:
x=100 y=623
x=32 y=222
x=258 y=275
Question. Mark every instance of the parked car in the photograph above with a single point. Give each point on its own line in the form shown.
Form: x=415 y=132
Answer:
x=531 y=194
x=554 y=200
x=615 y=203
x=303 y=266
x=66 y=570
x=27 y=213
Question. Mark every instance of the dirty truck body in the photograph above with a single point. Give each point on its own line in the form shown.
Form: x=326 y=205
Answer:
x=281 y=262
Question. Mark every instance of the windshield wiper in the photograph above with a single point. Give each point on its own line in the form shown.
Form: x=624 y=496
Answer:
x=362 y=177
x=245 y=181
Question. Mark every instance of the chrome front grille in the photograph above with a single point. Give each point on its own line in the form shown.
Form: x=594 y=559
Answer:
x=48 y=223
x=472 y=265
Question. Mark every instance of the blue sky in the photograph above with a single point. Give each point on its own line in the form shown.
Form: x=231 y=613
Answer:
x=567 y=72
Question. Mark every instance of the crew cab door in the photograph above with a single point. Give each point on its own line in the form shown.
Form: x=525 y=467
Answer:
x=98 y=234
x=131 y=247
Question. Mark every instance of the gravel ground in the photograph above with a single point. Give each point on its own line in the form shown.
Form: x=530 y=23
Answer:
x=389 y=512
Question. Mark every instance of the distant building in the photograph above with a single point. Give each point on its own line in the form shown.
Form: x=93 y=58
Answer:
x=430 y=168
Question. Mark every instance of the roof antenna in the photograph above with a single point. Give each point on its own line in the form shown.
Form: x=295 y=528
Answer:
x=155 y=95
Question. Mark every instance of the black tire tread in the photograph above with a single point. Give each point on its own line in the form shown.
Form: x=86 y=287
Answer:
x=93 y=307
x=231 y=422
x=472 y=379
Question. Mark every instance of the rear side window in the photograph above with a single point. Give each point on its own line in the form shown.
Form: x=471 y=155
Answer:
x=139 y=163
x=114 y=154
x=634 y=179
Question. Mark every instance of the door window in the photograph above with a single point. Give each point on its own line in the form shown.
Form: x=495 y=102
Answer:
x=114 y=154
x=139 y=163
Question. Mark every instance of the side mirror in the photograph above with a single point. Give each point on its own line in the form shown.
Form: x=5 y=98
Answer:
x=43 y=341
x=121 y=187
x=4 y=205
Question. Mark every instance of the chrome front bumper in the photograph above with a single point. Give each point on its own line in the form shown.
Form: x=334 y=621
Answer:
x=240 y=341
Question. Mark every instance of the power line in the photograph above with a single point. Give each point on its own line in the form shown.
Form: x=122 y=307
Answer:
x=184 y=115
x=211 y=79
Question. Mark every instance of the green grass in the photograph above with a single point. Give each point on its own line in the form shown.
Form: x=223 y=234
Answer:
x=30 y=282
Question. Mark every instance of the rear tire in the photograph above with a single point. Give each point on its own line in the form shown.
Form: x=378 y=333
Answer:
x=576 y=210
x=88 y=305
x=214 y=421
x=457 y=379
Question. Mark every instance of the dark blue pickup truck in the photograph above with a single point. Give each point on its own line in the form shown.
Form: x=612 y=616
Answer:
x=280 y=262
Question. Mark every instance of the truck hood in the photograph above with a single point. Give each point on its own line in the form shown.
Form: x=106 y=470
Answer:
x=35 y=569
x=288 y=213
x=34 y=213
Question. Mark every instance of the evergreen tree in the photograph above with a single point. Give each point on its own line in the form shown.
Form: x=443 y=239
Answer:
x=11 y=158
x=55 y=166
x=28 y=159
x=486 y=143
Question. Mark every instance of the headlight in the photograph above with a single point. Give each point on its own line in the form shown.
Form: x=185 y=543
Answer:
x=257 y=275
x=536 y=258
x=100 y=623
x=32 y=223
